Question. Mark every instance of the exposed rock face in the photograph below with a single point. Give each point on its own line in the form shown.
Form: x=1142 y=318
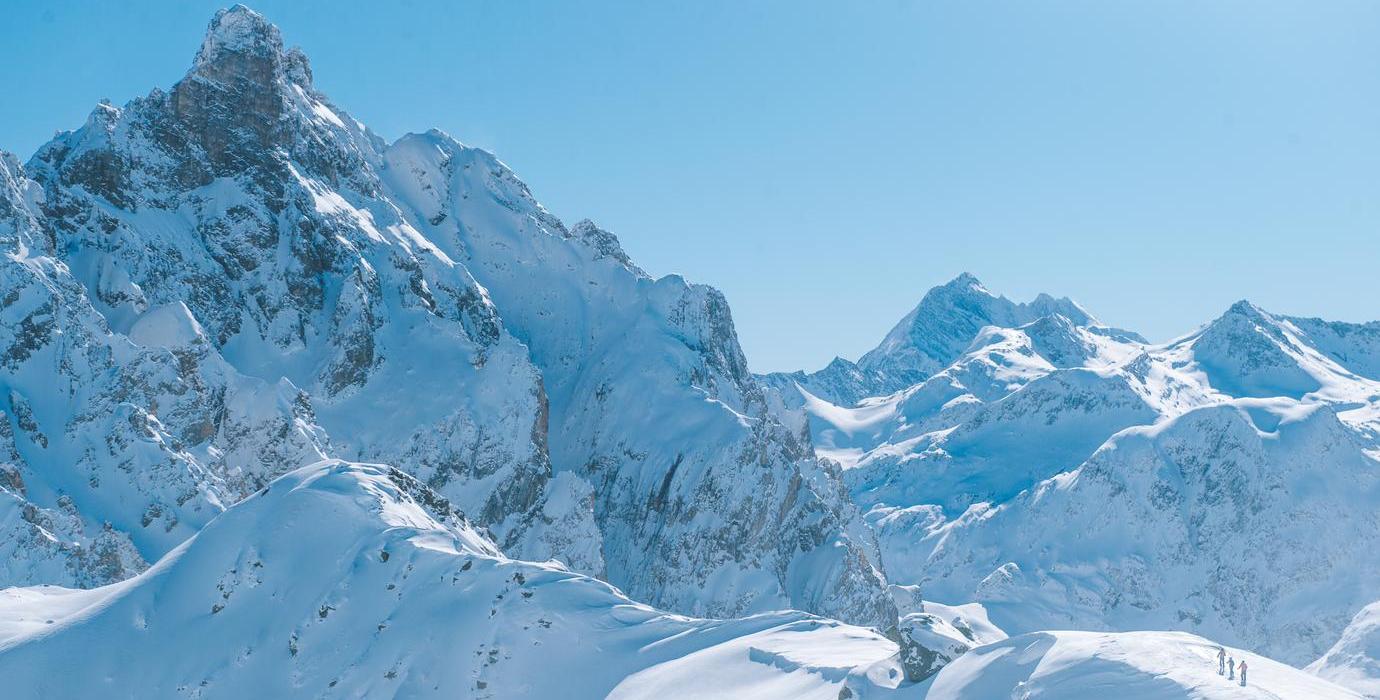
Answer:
x=114 y=449
x=698 y=488
x=245 y=198
x=262 y=281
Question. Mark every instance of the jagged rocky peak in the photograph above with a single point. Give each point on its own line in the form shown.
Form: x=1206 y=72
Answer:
x=604 y=243
x=242 y=49
x=243 y=85
x=238 y=32
x=1250 y=352
x=937 y=332
x=944 y=323
x=1057 y=339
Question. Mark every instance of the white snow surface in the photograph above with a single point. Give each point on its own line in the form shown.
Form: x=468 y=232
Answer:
x=1127 y=666
x=339 y=580
x=1067 y=475
x=1354 y=661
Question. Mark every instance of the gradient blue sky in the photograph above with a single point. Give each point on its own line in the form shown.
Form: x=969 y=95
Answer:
x=824 y=163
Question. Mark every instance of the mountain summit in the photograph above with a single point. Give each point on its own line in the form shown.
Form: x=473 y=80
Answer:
x=263 y=282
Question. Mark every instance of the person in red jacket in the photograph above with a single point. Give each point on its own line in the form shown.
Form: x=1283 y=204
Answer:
x=1243 y=672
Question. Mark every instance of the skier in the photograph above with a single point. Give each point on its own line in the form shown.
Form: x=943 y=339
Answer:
x=1231 y=669
x=1243 y=673
x=1221 y=661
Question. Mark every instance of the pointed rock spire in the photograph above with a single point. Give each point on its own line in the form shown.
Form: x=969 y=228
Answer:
x=235 y=97
x=238 y=31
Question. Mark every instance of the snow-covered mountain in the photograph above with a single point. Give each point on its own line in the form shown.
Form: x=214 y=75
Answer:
x=1068 y=475
x=234 y=278
x=930 y=338
x=217 y=302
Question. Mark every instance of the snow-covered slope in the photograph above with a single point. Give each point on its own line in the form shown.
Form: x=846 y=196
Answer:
x=1222 y=521
x=1130 y=666
x=1069 y=475
x=212 y=286
x=116 y=448
x=350 y=580
x=353 y=580
x=652 y=403
x=1354 y=661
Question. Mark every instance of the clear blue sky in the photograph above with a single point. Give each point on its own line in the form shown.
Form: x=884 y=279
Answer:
x=824 y=163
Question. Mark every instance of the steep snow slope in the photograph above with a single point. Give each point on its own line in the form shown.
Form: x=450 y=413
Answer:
x=1130 y=666
x=1251 y=522
x=349 y=580
x=706 y=502
x=1354 y=661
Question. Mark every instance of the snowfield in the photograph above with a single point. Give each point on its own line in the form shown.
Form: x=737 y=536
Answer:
x=353 y=580
x=1127 y=666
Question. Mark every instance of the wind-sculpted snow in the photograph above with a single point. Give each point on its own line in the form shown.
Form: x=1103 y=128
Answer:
x=350 y=580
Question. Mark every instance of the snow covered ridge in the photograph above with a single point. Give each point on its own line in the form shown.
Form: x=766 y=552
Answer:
x=350 y=580
x=1067 y=475
x=1132 y=665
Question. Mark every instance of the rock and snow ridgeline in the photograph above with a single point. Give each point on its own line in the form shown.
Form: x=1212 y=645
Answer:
x=1068 y=475
x=209 y=288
